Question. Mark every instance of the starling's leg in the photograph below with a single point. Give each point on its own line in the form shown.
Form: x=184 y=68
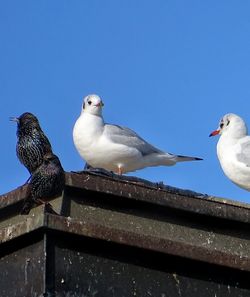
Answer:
x=27 y=181
x=28 y=203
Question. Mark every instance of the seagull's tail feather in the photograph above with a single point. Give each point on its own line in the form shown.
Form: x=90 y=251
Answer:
x=180 y=158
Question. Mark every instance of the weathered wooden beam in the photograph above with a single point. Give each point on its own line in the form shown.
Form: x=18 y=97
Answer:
x=136 y=216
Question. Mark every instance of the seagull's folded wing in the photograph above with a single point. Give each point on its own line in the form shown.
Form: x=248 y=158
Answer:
x=243 y=154
x=128 y=137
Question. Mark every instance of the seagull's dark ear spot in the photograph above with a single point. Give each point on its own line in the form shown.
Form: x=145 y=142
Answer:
x=228 y=122
x=83 y=105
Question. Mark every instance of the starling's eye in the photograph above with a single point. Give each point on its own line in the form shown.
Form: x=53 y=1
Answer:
x=89 y=102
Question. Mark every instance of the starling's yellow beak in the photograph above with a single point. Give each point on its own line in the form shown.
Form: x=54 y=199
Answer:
x=14 y=119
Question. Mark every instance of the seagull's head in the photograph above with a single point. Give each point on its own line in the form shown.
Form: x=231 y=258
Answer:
x=232 y=125
x=92 y=104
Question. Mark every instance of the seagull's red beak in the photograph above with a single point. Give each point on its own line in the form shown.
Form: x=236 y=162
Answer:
x=216 y=132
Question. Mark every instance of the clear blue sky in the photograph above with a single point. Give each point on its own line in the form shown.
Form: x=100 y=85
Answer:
x=167 y=69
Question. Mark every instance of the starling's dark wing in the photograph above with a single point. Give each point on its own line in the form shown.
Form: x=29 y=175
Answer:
x=31 y=149
x=47 y=181
x=128 y=137
x=45 y=143
x=49 y=178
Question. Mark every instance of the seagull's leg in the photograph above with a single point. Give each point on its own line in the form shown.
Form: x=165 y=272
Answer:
x=120 y=172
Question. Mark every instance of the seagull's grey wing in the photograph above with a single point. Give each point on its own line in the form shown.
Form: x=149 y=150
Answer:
x=244 y=155
x=128 y=137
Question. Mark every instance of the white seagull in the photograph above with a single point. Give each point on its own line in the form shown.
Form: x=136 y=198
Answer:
x=113 y=147
x=233 y=149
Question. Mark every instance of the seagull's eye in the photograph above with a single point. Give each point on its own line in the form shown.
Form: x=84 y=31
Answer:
x=221 y=125
x=89 y=102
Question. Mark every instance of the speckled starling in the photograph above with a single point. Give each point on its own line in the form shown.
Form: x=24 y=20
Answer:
x=47 y=181
x=32 y=143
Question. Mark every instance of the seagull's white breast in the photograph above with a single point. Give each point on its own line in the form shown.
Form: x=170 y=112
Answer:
x=236 y=171
x=98 y=150
x=86 y=133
